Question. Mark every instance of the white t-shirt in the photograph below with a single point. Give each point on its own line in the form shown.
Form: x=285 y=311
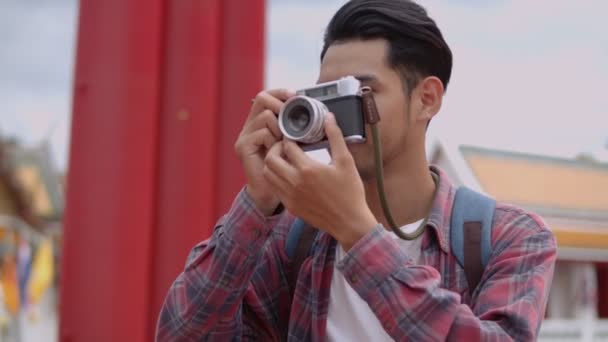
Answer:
x=349 y=317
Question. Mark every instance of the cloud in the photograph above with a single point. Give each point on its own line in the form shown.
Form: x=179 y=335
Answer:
x=537 y=87
x=295 y=40
x=528 y=106
x=37 y=44
x=529 y=27
x=284 y=73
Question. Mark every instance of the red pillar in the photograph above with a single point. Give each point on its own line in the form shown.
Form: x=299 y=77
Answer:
x=214 y=66
x=161 y=91
x=111 y=192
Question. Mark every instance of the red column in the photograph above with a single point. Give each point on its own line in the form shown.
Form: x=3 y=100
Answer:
x=214 y=66
x=111 y=191
x=161 y=91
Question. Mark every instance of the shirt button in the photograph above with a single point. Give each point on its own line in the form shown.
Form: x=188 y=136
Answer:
x=354 y=279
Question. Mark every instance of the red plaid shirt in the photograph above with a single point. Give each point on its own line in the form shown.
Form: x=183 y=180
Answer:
x=234 y=285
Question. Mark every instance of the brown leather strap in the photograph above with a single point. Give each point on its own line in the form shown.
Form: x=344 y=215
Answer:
x=301 y=253
x=473 y=267
x=369 y=106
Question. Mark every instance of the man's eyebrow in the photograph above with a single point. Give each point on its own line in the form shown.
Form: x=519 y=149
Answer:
x=366 y=78
x=361 y=78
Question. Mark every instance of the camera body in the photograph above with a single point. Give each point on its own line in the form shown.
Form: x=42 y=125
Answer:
x=301 y=117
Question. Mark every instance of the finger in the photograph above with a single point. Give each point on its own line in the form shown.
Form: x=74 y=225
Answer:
x=295 y=154
x=270 y=99
x=266 y=119
x=337 y=144
x=275 y=162
x=261 y=137
x=280 y=186
x=282 y=94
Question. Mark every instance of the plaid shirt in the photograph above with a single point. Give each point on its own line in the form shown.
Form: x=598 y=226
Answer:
x=234 y=285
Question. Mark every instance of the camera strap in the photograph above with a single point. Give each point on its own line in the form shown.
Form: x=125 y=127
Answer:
x=370 y=111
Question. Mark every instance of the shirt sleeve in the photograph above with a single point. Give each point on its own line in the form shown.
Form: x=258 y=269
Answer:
x=232 y=282
x=409 y=302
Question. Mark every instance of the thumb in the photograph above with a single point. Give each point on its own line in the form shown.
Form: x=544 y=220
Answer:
x=337 y=145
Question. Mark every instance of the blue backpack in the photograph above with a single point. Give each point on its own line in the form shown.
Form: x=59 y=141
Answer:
x=470 y=237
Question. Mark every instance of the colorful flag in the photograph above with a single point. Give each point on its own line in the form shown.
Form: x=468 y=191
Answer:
x=41 y=277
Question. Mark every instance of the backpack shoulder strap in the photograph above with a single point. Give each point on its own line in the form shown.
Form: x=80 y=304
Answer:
x=297 y=246
x=471 y=232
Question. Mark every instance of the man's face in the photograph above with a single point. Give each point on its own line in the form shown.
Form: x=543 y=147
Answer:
x=367 y=60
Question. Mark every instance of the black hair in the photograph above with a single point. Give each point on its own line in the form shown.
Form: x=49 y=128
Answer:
x=416 y=46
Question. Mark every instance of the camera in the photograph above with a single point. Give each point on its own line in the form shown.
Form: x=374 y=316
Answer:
x=301 y=117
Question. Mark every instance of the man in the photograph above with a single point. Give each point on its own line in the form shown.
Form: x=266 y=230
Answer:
x=359 y=282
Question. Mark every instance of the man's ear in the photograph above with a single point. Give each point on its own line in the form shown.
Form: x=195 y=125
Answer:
x=429 y=95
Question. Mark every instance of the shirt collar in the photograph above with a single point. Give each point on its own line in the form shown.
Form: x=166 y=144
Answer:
x=441 y=210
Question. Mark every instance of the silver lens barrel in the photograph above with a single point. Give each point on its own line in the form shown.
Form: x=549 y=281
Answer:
x=301 y=119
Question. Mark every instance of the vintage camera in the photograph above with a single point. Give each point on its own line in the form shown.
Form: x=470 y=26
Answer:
x=301 y=117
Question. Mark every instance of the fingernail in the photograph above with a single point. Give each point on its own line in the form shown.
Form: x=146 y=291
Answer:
x=330 y=117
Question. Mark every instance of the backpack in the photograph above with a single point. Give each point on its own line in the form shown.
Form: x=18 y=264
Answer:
x=470 y=237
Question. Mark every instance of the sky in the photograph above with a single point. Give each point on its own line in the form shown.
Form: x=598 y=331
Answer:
x=528 y=76
x=37 y=46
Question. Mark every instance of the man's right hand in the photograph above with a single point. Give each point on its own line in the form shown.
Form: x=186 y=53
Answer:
x=259 y=133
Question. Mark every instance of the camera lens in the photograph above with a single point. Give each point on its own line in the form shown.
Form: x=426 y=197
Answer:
x=298 y=118
x=301 y=119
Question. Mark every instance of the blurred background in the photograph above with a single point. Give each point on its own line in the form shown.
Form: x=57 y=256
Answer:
x=117 y=121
